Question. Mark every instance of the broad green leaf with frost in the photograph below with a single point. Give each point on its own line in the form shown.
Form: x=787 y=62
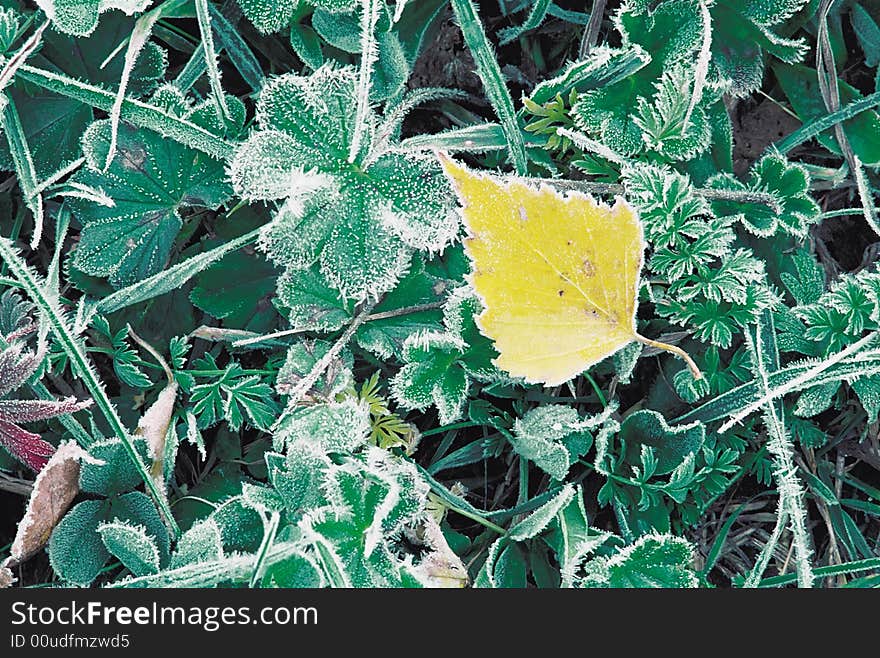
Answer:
x=201 y=543
x=671 y=33
x=337 y=427
x=132 y=546
x=76 y=551
x=789 y=185
x=302 y=357
x=742 y=33
x=53 y=124
x=112 y=471
x=356 y=220
x=372 y=502
x=652 y=561
x=151 y=179
x=552 y=436
x=670 y=444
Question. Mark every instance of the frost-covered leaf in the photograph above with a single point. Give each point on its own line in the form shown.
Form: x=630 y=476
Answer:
x=337 y=427
x=132 y=546
x=201 y=543
x=110 y=469
x=268 y=15
x=234 y=396
x=789 y=186
x=151 y=179
x=372 y=501
x=868 y=390
x=671 y=445
x=76 y=551
x=652 y=561
x=742 y=33
x=552 y=436
x=302 y=358
x=385 y=336
x=80 y=17
x=298 y=477
x=366 y=213
x=670 y=33
x=440 y=365
x=53 y=124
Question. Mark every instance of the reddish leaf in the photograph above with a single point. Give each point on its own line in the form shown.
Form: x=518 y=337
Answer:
x=27 y=447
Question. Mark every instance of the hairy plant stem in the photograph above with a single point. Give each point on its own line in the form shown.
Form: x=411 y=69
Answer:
x=324 y=362
x=384 y=315
x=762 y=198
x=80 y=362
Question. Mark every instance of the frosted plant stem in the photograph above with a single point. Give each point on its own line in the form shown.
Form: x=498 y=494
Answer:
x=781 y=448
x=14 y=63
x=268 y=538
x=324 y=362
x=204 y=19
x=24 y=164
x=791 y=494
x=369 y=55
x=143 y=28
x=797 y=382
x=869 y=210
x=762 y=198
x=81 y=365
x=384 y=315
x=763 y=560
x=702 y=68
x=591 y=33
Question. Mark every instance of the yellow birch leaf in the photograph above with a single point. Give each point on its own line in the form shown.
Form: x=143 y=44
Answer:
x=558 y=274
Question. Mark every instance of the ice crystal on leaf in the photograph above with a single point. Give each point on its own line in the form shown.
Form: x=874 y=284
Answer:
x=357 y=221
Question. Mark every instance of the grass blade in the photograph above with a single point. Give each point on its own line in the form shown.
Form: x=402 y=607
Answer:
x=493 y=80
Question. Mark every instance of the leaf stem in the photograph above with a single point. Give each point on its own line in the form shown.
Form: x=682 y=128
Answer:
x=739 y=196
x=675 y=349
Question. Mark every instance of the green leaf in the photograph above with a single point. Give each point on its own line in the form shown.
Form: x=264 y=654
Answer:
x=76 y=551
x=151 y=180
x=553 y=437
x=386 y=336
x=307 y=45
x=132 y=546
x=201 y=543
x=671 y=445
x=337 y=427
x=868 y=34
x=234 y=396
x=114 y=473
x=233 y=288
x=652 y=561
x=788 y=184
x=136 y=508
x=303 y=356
x=268 y=15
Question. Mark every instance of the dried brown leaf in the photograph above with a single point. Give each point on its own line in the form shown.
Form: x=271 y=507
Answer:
x=54 y=490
